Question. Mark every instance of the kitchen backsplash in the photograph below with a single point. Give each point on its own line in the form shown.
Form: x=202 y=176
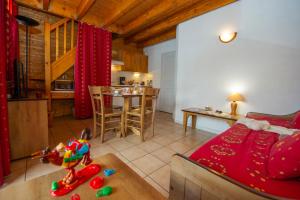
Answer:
x=136 y=76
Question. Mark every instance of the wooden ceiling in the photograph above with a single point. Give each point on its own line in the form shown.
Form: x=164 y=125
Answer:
x=144 y=22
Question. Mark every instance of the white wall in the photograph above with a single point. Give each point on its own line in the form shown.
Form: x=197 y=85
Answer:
x=262 y=63
x=154 y=59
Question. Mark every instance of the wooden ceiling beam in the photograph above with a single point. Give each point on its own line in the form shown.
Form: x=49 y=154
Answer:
x=168 y=35
x=193 y=11
x=121 y=10
x=83 y=7
x=46 y=4
x=61 y=11
x=158 y=12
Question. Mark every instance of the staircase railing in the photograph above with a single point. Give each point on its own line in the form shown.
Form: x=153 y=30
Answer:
x=59 y=61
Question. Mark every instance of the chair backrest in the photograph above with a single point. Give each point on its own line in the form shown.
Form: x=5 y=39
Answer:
x=148 y=94
x=96 y=93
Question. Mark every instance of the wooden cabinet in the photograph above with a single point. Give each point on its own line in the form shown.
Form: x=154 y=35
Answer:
x=28 y=127
x=62 y=94
x=134 y=62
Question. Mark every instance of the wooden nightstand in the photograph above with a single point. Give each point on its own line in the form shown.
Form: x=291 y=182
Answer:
x=194 y=112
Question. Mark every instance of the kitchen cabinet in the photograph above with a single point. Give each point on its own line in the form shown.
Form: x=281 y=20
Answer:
x=134 y=62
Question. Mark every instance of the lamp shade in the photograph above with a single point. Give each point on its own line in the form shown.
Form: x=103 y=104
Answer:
x=235 y=97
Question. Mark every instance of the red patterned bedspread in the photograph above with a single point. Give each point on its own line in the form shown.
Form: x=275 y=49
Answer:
x=242 y=154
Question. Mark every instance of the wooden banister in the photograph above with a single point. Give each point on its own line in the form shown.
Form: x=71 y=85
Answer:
x=59 y=23
x=64 y=58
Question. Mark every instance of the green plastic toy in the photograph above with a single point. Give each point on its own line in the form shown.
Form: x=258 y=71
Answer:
x=105 y=191
x=54 y=186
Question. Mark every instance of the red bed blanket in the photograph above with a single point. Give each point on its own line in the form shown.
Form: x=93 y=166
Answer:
x=242 y=154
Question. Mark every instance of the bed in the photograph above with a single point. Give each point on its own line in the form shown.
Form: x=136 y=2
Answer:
x=236 y=164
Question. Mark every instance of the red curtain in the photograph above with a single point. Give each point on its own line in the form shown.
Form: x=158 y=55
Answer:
x=13 y=52
x=12 y=42
x=92 y=66
x=4 y=134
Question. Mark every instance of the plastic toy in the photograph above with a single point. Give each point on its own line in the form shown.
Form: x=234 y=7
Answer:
x=54 y=186
x=97 y=182
x=108 y=172
x=75 y=152
x=75 y=197
x=105 y=191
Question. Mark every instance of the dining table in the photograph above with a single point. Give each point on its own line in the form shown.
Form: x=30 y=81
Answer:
x=127 y=96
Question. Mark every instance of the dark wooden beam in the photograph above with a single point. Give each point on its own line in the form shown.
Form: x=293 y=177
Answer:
x=193 y=11
x=46 y=4
x=83 y=7
x=121 y=9
x=158 y=12
x=168 y=35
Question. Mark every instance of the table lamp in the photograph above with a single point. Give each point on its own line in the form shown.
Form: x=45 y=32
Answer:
x=234 y=98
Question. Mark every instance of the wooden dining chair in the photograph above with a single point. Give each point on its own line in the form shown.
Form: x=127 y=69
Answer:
x=135 y=118
x=106 y=118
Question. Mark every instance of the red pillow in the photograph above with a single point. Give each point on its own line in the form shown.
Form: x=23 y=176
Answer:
x=284 y=160
x=272 y=120
x=296 y=121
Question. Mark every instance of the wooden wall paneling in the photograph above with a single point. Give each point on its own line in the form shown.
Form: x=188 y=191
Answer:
x=28 y=123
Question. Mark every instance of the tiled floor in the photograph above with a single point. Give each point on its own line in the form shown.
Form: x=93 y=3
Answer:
x=150 y=159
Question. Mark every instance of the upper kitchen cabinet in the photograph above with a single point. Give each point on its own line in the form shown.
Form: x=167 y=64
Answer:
x=134 y=62
x=133 y=57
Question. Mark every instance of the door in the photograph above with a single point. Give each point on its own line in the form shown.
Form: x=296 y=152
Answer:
x=167 y=83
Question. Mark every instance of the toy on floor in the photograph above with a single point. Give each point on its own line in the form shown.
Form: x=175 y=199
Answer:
x=69 y=156
x=105 y=191
x=109 y=172
x=75 y=197
x=97 y=182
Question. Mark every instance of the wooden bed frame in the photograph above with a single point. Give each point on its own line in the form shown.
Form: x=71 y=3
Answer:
x=192 y=181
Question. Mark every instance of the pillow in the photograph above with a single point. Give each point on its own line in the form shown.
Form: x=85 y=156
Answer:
x=254 y=124
x=284 y=159
x=296 y=121
x=277 y=121
x=281 y=130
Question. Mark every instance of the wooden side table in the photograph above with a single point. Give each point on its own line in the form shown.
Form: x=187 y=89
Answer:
x=194 y=112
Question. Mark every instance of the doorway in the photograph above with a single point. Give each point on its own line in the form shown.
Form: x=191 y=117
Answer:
x=167 y=82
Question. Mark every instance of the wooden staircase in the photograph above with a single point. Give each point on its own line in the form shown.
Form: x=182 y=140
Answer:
x=60 y=36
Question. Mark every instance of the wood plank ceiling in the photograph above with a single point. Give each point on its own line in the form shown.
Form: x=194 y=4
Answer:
x=144 y=22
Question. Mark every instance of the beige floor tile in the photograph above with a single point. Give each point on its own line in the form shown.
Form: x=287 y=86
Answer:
x=133 y=153
x=164 y=154
x=15 y=177
x=137 y=170
x=163 y=140
x=162 y=146
x=134 y=139
x=191 y=141
x=188 y=153
x=36 y=169
x=102 y=150
x=121 y=157
x=179 y=147
x=121 y=145
x=149 y=146
x=157 y=187
x=148 y=163
x=162 y=177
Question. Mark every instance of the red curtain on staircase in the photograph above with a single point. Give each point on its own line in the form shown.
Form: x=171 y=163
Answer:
x=92 y=66
x=4 y=134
